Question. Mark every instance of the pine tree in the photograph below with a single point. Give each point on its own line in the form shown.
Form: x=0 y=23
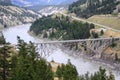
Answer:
x=101 y=32
x=29 y=66
x=2 y=39
x=70 y=72
x=99 y=75
x=116 y=57
x=24 y=69
x=5 y=61
x=67 y=72
x=111 y=77
x=59 y=72
x=43 y=70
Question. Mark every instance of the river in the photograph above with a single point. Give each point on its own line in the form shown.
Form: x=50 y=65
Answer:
x=83 y=65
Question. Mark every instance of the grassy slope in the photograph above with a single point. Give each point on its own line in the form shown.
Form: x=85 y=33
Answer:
x=113 y=22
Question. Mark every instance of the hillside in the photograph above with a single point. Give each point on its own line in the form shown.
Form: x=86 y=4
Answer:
x=60 y=27
x=88 y=8
x=12 y=15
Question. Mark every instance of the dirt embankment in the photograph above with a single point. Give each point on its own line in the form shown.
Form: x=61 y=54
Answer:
x=54 y=68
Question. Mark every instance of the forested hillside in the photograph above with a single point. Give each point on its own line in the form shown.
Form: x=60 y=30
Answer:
x=88 y=8
x=61 y=27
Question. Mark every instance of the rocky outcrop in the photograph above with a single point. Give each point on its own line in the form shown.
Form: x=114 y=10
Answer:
x=52 y=10
x=12 y=15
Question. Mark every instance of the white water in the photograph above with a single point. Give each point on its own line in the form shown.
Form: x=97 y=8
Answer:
x=83 y=65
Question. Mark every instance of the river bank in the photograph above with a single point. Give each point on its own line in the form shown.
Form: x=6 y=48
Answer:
x=111 y=65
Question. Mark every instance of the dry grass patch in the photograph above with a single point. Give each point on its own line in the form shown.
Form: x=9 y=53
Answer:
x=108 y=20
x=110 y=33
x=56 y=78
x=54 y=66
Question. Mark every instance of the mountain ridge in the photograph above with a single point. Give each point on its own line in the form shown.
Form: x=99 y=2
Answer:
x=11 y=15
x=26 y=3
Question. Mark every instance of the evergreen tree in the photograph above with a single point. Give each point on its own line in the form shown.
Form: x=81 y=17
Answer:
x=59 y=72
x=101 y=32
x=67 y=72
x=2 y=39
x=70 y=72
x=116 y=57
x=111 y=77
x=99 y=75
x=4 y=62
x=113 y=44
x=29 y=66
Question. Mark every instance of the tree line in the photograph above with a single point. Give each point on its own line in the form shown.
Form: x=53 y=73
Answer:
x=23 y=63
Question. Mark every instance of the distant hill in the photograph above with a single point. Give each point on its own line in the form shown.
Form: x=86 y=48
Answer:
x=26 y=3
x=37 y=5
x=88 y=8
x=12 y=15
x=40 y=7
x=49 y=10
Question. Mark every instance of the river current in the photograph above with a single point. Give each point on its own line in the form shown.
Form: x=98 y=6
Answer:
x=83 y=65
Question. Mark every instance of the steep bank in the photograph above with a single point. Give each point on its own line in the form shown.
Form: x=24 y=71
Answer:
x=11 y=15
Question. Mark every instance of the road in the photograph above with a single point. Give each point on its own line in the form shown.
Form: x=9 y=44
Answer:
x=83 y=20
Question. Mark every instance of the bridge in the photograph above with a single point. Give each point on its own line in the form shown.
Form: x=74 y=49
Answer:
x=94 y=47
x=91 y=46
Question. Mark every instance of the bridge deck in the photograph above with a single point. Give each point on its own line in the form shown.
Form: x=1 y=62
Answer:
x=80 y=40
